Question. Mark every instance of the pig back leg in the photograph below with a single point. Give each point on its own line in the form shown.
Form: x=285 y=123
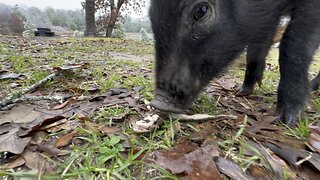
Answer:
x=297 y=48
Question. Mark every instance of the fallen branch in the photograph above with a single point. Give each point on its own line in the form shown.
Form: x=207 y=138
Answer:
x=57 y=99
x=150 y=122
x=14 y=97
x=202 y=117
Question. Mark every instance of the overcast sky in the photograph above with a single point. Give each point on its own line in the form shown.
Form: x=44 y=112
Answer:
x=57 y=4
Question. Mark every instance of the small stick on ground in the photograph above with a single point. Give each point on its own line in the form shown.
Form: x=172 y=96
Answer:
x=14 y=96
x=58 y=99
x=202 y=117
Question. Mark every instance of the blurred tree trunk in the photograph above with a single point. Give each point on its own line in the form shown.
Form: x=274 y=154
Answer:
x=111 y=25
x=115 y=12
x=89 y=8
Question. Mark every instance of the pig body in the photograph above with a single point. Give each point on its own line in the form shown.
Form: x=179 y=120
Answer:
x=195 y=40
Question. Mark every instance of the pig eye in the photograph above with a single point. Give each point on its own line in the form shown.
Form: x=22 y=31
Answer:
x=200 y=11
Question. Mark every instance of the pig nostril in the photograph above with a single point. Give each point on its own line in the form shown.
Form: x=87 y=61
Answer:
x=161 y=85
x=171 y=88
x=180 y=94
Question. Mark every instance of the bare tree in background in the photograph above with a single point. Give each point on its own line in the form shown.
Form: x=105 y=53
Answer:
x=109 y=19
x=109 y=12
x=90 y=9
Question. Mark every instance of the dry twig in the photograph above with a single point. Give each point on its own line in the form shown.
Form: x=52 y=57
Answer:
x=17 y=96
x=202 y=117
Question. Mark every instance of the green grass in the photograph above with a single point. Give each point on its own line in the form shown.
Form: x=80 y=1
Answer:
x=20 y=63
x=205 y=104
x=106 y=157
x=235 y=147
x=316 y=103
x=301 y=131
x=101 y=156
x=56 y=60
x=140 y=81
x=106 y=115
x=36 y=76
x=108 y=72
x=112 y=81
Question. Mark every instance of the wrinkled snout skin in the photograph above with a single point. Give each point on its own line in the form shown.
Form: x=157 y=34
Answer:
x=195 y=40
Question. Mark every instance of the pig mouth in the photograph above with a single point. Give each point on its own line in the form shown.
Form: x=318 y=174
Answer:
x=162 y=103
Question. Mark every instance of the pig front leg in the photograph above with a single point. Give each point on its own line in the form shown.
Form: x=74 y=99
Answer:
x=256 y=61
x=297 y=48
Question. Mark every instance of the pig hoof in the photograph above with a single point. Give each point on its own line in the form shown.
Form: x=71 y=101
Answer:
x=290 y=119
x=244 y=91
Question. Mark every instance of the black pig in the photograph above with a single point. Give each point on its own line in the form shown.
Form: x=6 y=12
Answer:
x=195 y=40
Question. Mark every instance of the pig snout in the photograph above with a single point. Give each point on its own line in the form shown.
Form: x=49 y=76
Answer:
x=163 y=103
x=173 y=91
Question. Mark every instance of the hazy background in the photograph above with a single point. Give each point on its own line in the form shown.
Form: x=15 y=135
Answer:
x=64 y=17
x=42 y=4
x=58 y=4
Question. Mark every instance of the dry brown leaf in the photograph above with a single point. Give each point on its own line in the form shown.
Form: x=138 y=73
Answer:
x=15 y=163
x=195 y=165
x=257 y=172
x=36 y=163
x=84 y=118
x=315 y=129
x=66 y=103
x=5 y=76
x=109 y=102
x=38 y=137
x=21 y=113
x=295 y=156
x=231 y=169
x=70 y=66
x=11 y=142
x=270 y=162
x=264 y=123
x=226 y=83
x=109 y=130
x=118 y=91
x=49 y=127
x=48 y=148
x=65 y=140
x=38 y=124
x=307 y=172
x=314 y=138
